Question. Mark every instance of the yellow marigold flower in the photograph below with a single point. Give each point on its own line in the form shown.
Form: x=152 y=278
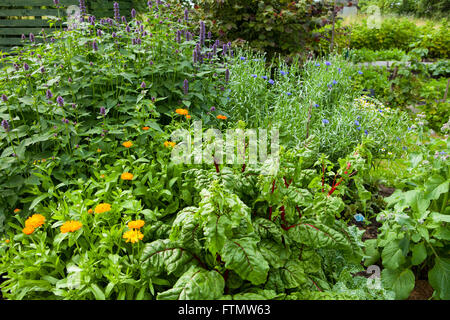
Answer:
x=16 y=210
x=145 y=128
x=137 y=224
x=127 y=144
x=133 y=236
x=127 y=176
x=90 y=211
x=188 y=116
x=99 y=150
x=28 y=230
x=102 y=207
x=221 y=117
x=35 y=221
x=71 y=226
x=168 y=144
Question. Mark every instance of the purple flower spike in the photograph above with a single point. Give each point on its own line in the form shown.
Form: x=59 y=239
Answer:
x=227 y=75
x=23 y=37
x=102 y=111
x=31 y=37
x=143 y=85
x=26 y=66
x=60 y=101
x=213 y=109
x=49 y=94
x=56 y=2
x=186 y=86
x=4 y=98
x=5 y=125
x=116 y=11
x=82 y=7
x=124 y=20
x=95 y=46
x=186 y=15
x=99 y=33
x=133 y=13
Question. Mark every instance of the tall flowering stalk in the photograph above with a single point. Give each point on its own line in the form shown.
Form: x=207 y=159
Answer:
x=116 y=11
x=185 y=86
x=227 y=75
x=82 y=7
x=202 y=33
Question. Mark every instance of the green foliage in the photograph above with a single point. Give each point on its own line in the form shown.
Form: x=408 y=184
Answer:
x=275 y=27
x=415 y=231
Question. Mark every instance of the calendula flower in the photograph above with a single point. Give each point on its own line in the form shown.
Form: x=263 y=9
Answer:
x=71 y=226
x=127 y=144
x=188 y=116
x=182 y=112
x=102 y=176
x=168 y=144
x=99 y=150
x=133 y=236
x=7 y=241
x=145 y=128
x=137 y=224
x=221 y=117
x=28 y=230
x=35 y=221
x=16 y=210
x=126 y=176
x=102 y=207
x=90 y=211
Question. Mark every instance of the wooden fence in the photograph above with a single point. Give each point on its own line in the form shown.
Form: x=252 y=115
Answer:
x=19 y=17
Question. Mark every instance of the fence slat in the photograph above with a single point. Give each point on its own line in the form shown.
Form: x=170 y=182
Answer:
x=31 y=12
x=20 y=31
x=35 y=3
x=24 y=23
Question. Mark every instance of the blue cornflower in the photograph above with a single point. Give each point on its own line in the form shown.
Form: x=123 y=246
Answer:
x=328 y=63
x=283 y=72
x=358 y=128
x=316 y=105
x=317 y=64
x=325 y=121
x=339 y=70
x=271 y=81
x=360 y=72
x=288 y=93
x=356 y=123
x=264 y=77
x=254 y=76
x=334 y=81
x=366 y=132
x=242 y=58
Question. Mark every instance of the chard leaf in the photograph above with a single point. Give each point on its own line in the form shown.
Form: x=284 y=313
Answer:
x=168 y=256
x=242 y=256
x=196 y=284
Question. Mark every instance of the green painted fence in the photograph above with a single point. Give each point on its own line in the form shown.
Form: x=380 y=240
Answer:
x=19 y=17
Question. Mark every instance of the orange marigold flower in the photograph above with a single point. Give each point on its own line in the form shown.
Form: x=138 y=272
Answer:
x=28 y=230
x=102 y=207
x=102 y=176
x=145 y=128
x=90 y=211
x=133 y=236
x=127 y=176
x=168 y=144
x=99 y=150
x=137 y=224
x=127 y=144
x=16 y=210
x=183 y=112
x=221 y=117
x=71 y=226
x=7 y=241
x=188 y=116
x=35 y=221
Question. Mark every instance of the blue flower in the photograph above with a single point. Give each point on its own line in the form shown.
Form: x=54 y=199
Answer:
x=242 y=58
x=360 y=72
x=339 y=70
x=264 y=77
x=366 y=132
x=358 y=128
x=358 y=117
x=398 y=139
x=356 y=123
x=271 y=81
x=325 y=121
x=334 y=81
x=254 y=76
x=316 y=105
x=317 y=64
x=405 y=148
x=288 y=93
x=328 y=63
x=283 y=72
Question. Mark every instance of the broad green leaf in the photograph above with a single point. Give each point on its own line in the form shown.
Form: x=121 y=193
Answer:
x=216 y=230
x=292 y=274
x=392 y=255
x=196 y=284
x=439 y=278
x=372 y=254
x=243 y=257
x=98 y=293
x=400 y=281
x=419 y=253
x=165 y=255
